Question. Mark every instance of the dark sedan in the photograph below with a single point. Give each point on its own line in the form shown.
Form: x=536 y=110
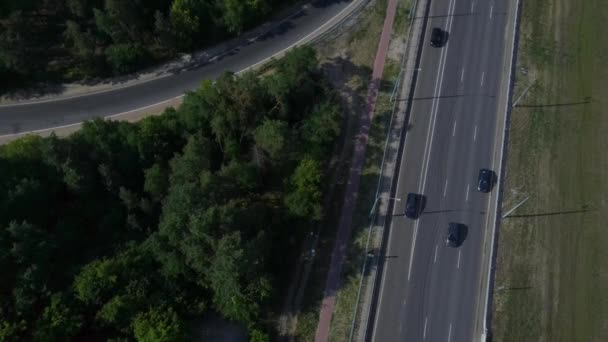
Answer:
x=486 y=180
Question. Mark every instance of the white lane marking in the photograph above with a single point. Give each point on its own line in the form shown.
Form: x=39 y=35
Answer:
x=475 y=134
x=458 y=264
x=491 y=10
x=462 y=76
x=450 y=333
x=467 y=198
x=431 y=130
x=435 y=258
x=424 y=333
x=445 y=188
x=80 y=123
x=454 y=129
x=483 y=76
x=472 y=6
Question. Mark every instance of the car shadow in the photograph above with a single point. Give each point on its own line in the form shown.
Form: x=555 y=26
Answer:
x=464 y=231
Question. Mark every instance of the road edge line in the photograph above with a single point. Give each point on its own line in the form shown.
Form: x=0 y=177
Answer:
x=486 y=333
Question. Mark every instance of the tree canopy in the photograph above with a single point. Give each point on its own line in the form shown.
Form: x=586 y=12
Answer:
x=129 y=231
x=76 y=39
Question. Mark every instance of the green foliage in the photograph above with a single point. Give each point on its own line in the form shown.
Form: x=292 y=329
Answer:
x=10 y=331
x=305 y=198
x=156 y=182
x=256 y=335
x=271 y=137
x=124 y=58
x=322 y=127
x=73 y=39
x=59 y=322
x=158 y=325
x=238 y=14
x=121 y=230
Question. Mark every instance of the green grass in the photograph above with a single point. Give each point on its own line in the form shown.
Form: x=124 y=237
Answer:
x=552 y=272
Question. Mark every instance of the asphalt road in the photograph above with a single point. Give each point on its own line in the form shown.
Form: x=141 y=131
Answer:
x=429 y=291
x=29 y=117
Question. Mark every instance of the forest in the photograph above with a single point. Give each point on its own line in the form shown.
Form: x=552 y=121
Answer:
x=131 y=232
x=67 y=40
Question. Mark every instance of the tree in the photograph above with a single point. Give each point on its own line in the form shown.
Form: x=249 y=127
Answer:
x=185 y=18
x=156 y=182
x=304 y=200
x=195 y=159
x=158 y=325
x=294 y=85
x=322 y=127
x=238 y=14
x=124 y=58
x=82 y=44
x=271 y=137
x=10 y=331
x=224 y=274
x=96 y=281
x=59 y=322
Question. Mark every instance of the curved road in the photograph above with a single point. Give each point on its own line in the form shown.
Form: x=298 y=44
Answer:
x=302 y=27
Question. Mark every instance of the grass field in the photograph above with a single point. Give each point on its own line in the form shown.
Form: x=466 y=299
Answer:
x=552 y=267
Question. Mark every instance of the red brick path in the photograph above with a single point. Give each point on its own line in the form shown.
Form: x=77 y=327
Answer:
x=350 y=198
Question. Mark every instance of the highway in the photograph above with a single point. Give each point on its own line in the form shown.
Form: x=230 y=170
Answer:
x=429 y=291
x=316 y=18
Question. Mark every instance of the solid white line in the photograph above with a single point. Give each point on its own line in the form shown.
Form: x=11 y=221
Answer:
x=475 y=134
x=467 y=198
x=462 y=76
x=424 y=333
x=491 y=10
x=80 y=123
x=472 y=6
x=435 y=258
x=454 y=129
x=458 y=264
x=429 y=145
x=445 y=188
x=483 y=76
x=450 y=333
x=498 y=187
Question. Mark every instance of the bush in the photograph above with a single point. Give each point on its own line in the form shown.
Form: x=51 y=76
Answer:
x=124 y=58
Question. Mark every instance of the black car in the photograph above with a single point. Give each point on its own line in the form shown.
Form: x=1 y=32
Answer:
x=486 y=180
x=438 y=37
x=455 y=234
x=414 y=205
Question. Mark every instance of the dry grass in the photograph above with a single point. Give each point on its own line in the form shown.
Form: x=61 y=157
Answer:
x=552 y=262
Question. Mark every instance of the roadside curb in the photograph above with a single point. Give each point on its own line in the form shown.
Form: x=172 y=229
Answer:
x=486 y=331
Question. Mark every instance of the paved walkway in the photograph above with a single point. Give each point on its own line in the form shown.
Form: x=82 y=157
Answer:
x=350 y=199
